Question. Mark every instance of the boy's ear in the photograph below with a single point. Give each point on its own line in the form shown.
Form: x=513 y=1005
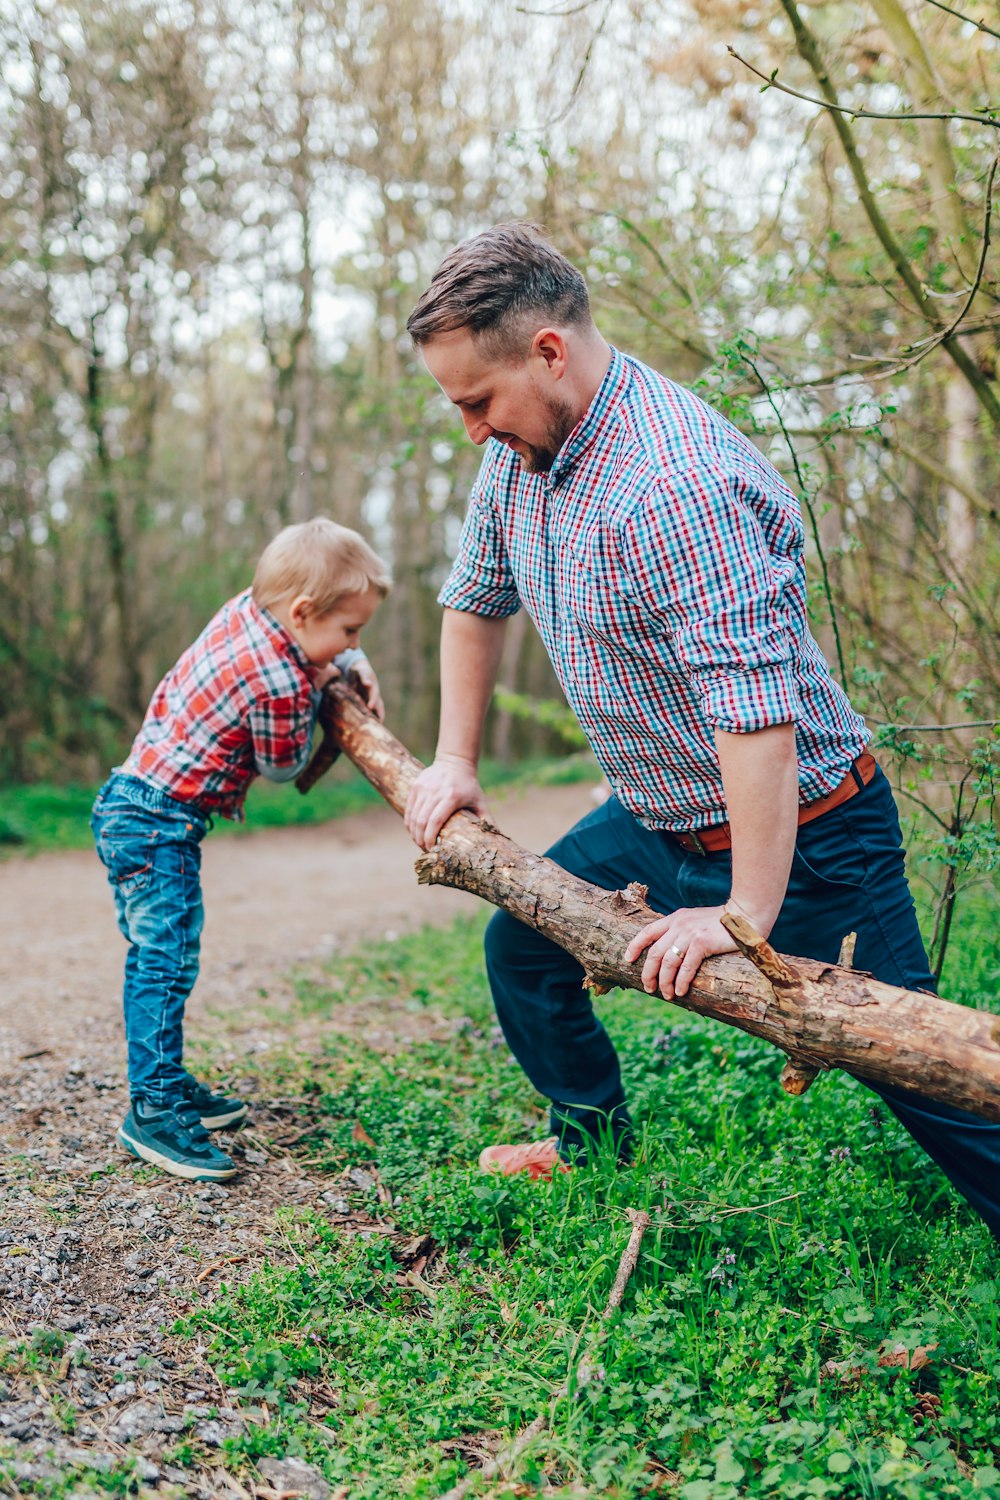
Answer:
x=300 y=609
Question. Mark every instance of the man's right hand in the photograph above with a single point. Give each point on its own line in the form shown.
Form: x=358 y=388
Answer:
x=445 y=786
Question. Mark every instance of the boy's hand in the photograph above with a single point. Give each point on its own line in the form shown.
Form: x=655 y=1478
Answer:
x=320 y=676
x=364 y=675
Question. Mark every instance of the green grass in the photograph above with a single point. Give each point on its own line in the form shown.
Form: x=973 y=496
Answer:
x=786 y=1234
x=44 y=816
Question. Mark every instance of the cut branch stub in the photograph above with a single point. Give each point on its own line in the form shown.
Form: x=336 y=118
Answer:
x=759 y=951
x=797 y=1074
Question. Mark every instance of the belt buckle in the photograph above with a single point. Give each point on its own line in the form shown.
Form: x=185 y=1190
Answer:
x=699 y=847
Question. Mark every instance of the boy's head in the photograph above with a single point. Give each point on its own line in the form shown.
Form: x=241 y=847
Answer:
x=323 y=582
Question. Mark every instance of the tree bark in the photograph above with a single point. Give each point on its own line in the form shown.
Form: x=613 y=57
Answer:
x=820 y=1015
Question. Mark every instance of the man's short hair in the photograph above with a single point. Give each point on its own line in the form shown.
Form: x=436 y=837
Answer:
x=502 y=285
x=321 y=559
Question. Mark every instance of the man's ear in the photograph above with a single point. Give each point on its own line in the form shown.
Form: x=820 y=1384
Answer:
x=549 y=345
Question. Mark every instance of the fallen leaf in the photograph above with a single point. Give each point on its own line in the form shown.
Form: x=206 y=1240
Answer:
x=359 y=1133
x=419 y=1249
x=850 y=1372
x=899 y=1357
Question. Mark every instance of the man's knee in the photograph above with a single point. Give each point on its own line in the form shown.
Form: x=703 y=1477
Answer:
x=515 y=949
x=503 y=941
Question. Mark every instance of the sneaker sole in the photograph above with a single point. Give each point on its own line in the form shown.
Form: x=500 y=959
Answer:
x=216 y=1122
x=175 y=1168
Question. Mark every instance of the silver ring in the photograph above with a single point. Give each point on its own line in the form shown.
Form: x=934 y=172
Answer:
x=679 y=951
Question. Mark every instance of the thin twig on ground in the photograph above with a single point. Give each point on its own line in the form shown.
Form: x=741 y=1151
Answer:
x=640 y=1223
x=217 y=1265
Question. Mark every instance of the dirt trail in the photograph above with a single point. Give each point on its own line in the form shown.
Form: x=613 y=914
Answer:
x=273 y=899
x=105 y=1252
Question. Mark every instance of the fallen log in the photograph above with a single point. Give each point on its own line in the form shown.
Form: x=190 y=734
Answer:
x=821 y=1016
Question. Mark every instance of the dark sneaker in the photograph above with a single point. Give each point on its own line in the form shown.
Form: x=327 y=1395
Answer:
x=175 y=1139
x=214 y=1110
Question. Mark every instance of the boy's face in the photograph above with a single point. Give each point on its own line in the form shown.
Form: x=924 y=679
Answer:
x=322 y=637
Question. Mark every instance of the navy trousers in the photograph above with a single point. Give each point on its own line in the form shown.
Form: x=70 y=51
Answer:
x=847 y=876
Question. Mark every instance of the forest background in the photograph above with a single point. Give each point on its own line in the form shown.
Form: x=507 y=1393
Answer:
x=215 y=219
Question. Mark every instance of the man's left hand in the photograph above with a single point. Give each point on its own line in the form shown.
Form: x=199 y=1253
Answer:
x=676 y=947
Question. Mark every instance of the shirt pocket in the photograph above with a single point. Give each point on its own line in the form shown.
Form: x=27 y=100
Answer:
x=622 y=628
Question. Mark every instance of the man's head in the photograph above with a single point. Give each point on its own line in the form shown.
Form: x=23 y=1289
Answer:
x=323 y=582
x=506 y=331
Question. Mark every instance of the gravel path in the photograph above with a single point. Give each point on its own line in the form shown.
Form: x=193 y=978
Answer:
x=97 y=1256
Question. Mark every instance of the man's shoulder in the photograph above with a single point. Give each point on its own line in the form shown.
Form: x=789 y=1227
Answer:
x=670 y=441
x=670 y=426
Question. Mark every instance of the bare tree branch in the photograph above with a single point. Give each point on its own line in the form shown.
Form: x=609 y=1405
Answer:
x=581 y=75
x=979 y=25
x=814 y=525
x=808 y=50
x=949 y=331
x=934 y=728
x=771 y=82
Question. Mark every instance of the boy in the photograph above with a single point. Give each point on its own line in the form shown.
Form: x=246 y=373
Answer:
x=240 y=702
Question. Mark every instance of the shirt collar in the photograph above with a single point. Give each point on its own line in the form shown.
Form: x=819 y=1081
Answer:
x=595 y=421
x=281 y=639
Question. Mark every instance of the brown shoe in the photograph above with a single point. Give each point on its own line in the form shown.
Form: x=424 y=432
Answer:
x=539 y=1159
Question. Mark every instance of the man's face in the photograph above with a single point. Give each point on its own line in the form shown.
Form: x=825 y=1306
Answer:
x=518 y=404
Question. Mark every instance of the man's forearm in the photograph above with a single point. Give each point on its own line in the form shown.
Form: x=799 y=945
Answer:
x=471 y=648
x=761 y=782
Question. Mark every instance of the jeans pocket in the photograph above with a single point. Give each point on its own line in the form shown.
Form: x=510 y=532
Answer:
x=126 y=844
x=828 y=852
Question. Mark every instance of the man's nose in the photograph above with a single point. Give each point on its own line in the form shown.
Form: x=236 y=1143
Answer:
x=477 y=428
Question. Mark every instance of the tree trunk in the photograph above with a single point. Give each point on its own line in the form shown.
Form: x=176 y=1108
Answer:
x=821 y=1015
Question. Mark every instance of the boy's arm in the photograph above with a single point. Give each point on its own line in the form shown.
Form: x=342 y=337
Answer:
x=281 y=731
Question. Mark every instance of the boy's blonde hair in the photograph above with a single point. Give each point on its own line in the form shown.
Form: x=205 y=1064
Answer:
x=320 y=559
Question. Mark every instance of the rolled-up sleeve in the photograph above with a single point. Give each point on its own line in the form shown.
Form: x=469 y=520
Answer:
x=349 y=659
x=282 y=731
x=481 y=581
x=696 y=554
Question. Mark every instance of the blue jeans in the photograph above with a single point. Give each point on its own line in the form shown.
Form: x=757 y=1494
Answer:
x=150 y=845
x=847 y=876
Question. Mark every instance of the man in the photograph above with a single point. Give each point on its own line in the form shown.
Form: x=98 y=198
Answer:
x=661 y=559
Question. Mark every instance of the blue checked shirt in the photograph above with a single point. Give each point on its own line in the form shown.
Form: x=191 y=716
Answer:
x=661 y=560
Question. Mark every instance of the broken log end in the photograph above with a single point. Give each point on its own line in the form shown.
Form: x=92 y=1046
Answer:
x=596 y=986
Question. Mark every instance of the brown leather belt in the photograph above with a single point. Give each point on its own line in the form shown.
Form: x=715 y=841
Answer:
x=719 y=836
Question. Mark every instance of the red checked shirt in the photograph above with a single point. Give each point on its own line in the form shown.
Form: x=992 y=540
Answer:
x=661 y=559
x=239 y=703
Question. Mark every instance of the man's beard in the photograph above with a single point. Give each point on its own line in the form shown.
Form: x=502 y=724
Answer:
x=540 y=458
